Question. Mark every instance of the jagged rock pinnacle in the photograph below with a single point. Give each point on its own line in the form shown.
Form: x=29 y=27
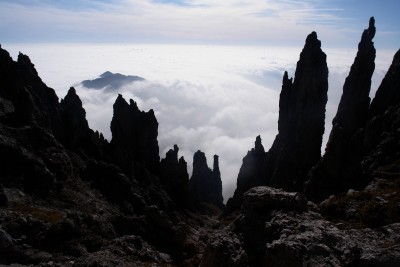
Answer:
x=205 y=184
x=340 y=168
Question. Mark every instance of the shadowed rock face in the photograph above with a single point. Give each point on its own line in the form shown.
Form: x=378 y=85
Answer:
x=175 y=178
x=250 y=174
x=134 y=136
x=205 y=185
x=33 y=103
x=297 y=147
x=381 y=136
x=340 y=167
x=388 y=93
x=74 y=117
x=110 y=81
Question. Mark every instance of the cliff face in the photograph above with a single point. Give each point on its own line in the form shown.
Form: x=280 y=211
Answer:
x=340 y=167
x=205 y=185
x=134 y=136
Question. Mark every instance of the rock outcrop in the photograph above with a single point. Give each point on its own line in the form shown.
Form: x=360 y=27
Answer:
x=76 y=134
x=381 y=146
x=340 y=168
x=74 y=117
x=388 y=93
x=297 y=147
x=276 y=228
x=31 y=101
x=134 y=137
x=250 y=175
x=175 y=178
x=205 y=185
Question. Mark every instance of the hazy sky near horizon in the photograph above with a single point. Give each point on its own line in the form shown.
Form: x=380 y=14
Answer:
x=251 y=22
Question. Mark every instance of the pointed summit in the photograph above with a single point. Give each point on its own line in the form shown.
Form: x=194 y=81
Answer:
x=205 y=185
x=134 y=136
x=340 y=167
x=175 y=178
x=301 y=124
x=74 y=118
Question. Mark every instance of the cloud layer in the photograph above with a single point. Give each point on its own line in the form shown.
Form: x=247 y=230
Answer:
x=213 y=98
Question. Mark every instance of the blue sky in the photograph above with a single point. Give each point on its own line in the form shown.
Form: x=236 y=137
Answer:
x=252 y=22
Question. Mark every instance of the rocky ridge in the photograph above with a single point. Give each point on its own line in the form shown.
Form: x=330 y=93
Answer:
x=69 y=197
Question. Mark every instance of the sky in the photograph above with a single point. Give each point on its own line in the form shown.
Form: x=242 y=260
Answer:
x=233 y=22
x=213 y=69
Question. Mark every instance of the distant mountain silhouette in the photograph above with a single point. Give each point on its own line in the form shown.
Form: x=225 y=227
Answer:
x=110 y=81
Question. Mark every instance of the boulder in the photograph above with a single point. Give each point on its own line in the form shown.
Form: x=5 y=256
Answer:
x=263 y=199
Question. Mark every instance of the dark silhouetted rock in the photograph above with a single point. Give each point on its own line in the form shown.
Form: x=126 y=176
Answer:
x=224 y=250
x=381 y=146
x=297 y=147
x=3 y=197
x=205 y=185
x=250 y=175
x=77 y=135
x=32 y=159
x=340 y=167
x=388 y=93
x=134 y=136
x=110 y=81
x=33 y=102
x=74 y=118
x=6 y=246
x=175 y=178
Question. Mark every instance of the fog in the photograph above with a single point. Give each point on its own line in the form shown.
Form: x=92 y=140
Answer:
x=213 y=98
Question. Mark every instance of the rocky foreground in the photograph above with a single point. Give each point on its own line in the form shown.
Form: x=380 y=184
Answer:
x=68 y=197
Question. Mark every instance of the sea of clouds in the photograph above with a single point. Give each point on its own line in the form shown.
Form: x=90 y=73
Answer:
x=213 y=98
